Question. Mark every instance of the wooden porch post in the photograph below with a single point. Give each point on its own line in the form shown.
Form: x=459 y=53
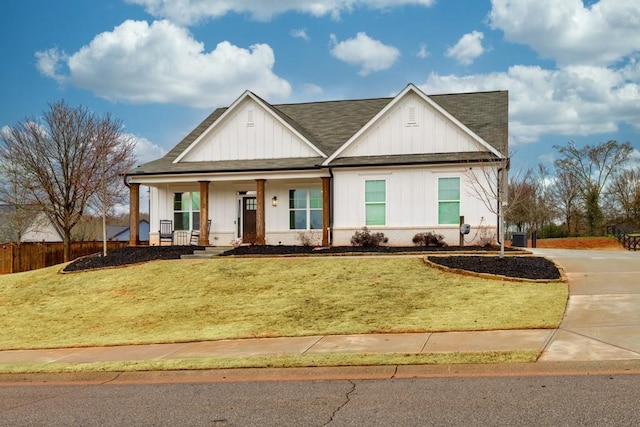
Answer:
x=326 y=210
x=204 y=213
x=260 y=228
x=134 y=214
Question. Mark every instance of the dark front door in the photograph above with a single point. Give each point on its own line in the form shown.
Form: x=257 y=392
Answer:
x=249 y=205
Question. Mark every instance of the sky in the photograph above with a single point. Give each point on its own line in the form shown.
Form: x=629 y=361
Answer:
x=572 y=68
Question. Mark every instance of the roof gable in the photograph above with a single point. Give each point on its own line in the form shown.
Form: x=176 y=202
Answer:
x=249 y=129
x=412 y=123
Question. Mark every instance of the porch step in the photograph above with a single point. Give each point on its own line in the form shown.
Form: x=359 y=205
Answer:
x=207 y=253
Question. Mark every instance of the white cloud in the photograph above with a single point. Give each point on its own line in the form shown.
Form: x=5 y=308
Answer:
x=569 y=31
x=577 y=100
x=423 y=52
x=468 y=48
x=300 y=33
x=163 y=63
x=145 y=150
x=48 y=63
x=193 y=11
x=369 y=54
x=312 y=89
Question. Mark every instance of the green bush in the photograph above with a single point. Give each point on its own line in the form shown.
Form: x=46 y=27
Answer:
x=550 y=231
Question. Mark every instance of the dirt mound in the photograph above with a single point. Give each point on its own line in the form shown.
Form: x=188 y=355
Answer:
x=602 y=243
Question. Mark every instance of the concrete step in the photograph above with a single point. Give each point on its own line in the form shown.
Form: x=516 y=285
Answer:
x=207 y=253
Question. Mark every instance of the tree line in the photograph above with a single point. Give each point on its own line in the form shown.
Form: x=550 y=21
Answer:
x=587 y=189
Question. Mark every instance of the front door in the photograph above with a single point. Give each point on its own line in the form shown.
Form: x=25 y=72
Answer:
x=249 y=205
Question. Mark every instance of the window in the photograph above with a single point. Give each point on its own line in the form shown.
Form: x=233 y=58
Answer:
x=186 y=211
x=375 y=202
x=448 y=200
x=305 y=209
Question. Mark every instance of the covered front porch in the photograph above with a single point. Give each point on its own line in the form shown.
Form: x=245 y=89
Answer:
x=278 y=209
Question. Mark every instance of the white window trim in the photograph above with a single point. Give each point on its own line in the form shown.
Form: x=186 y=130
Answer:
x=386 y=198
x=190 y=210
x=437 y=192
x=307 y=209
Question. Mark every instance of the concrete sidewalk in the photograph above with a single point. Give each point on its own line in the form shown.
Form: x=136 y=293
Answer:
x=535 y=339
x=602 y=323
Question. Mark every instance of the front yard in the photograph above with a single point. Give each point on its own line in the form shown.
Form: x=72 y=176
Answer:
x=172 y=301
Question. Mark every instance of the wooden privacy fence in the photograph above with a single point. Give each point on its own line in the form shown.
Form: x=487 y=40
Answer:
x=30 y=256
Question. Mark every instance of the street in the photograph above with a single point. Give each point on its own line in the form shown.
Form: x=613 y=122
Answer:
x=603 y=400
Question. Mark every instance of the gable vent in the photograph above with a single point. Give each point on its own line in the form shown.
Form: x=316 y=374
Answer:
x=250 y=121
x=411 y=119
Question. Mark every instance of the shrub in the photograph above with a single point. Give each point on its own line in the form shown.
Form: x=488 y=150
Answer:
x=308 y=238
x=366 y=238
x=429 y=239
x=487 y=237
x=550 y=231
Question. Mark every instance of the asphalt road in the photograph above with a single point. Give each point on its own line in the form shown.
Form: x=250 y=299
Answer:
x=602 y=400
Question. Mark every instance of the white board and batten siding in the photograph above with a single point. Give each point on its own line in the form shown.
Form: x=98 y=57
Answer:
x=412 y=127
x=249 y=132
x=411 y=204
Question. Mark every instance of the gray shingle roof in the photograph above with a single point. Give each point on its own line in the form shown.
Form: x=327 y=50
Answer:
x=329 y=124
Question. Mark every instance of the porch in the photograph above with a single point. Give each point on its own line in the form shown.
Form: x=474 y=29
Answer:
x=260 y=211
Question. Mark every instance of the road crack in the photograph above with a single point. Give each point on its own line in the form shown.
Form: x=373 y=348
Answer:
x=112 y=379
x=343 y=404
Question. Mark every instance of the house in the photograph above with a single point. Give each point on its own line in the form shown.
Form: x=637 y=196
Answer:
x=35 y=225
x=43 y=229
x=279 y=174
x=121 y=233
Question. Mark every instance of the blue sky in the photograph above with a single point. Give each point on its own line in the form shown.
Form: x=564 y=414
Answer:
x=571 y=67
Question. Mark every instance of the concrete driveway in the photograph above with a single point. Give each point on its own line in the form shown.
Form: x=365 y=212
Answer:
x=602 y=321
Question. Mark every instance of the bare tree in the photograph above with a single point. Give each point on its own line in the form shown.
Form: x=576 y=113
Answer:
x=18 y=213
x=522 y=214
x=65 y=160
x=623 y=195
x=592 y=166
x=545 y=210
x=565 y=195
x=489 y=184
x=115 y=155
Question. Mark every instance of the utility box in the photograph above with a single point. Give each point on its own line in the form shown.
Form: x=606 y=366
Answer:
x=519 y=239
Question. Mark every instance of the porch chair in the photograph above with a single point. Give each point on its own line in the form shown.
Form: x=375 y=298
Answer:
x=195 y=234
x=166 y=231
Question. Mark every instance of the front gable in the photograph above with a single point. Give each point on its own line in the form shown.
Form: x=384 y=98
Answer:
x=412 y=124
x=249 y=130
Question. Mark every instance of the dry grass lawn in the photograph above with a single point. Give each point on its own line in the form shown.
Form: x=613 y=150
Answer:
x=289 y=361
x=173 y=301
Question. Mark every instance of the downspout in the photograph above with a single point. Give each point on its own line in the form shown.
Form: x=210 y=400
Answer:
x=499 y=203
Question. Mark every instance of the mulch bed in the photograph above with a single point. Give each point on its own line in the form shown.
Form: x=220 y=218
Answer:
x=130 y=255
x=309 y=250
x=510 y=266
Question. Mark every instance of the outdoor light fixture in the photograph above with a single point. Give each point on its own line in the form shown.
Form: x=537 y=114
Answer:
x=274 y=201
